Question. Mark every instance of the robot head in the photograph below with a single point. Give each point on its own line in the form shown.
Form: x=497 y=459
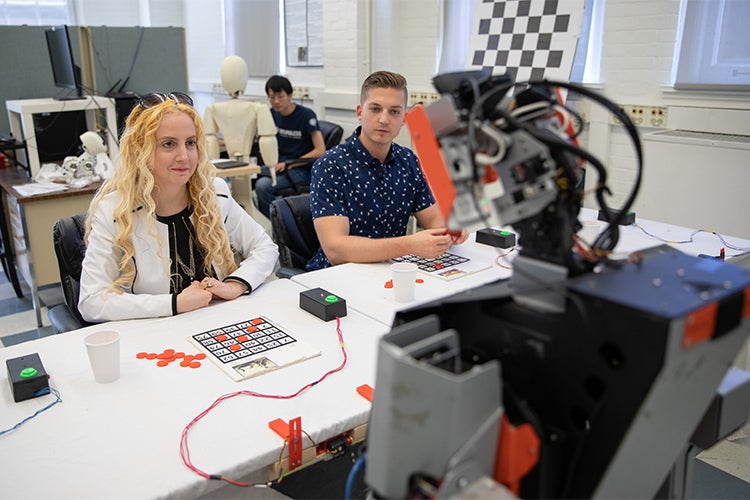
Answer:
x=234 y=75
x=92 y=143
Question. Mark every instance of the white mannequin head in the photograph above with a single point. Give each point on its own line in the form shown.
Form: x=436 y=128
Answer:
x=92 y=143
x=234 y=75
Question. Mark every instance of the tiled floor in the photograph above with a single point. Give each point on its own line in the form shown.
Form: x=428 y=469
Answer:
x=18 y=319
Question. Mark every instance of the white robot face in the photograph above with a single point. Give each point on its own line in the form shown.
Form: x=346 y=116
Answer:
x=234 y=75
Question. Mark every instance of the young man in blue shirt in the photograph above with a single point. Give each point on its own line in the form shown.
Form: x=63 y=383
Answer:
x=298 y=136
x=362 y=192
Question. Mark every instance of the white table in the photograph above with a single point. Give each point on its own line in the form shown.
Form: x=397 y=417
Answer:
x=647 y=233
x=121 y=440
x=21 y=117
x=363 y=285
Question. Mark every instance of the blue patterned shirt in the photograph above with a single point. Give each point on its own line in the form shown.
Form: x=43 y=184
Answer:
x=378 y=198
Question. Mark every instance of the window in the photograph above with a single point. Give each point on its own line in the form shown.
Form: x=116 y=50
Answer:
x=714 y=52
x=36 y=12
x=252 y=32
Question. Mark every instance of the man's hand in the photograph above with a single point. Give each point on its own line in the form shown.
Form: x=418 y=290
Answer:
x=430 y=243
x=459 y=237
x=280 y=167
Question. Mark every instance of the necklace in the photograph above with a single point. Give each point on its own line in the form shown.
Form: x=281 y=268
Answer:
x=186 y=256
x=189 y=270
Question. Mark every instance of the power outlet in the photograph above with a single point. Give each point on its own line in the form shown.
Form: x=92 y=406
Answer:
x=302 y=92
x=424 y=98
x=658 y=117
x=218 y=88
x=643 y=116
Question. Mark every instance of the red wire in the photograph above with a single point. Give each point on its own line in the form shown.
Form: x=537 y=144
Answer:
x=185 y=451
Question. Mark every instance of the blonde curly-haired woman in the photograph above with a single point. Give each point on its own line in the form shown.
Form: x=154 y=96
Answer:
x=163 y=232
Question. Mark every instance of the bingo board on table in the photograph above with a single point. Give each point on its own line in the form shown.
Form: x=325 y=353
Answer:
x=251 y=348
x=448 y=266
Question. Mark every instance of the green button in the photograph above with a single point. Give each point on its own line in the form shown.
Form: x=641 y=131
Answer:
x=505 y=233
x=28 y=372
x=331 y=298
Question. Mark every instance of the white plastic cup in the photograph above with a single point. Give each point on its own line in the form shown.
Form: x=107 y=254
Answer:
x=104 y=355
x=404 y=275
x=590 y=230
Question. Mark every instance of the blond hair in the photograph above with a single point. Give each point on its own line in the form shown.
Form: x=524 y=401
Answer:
x=383 y=80
x=133 y=181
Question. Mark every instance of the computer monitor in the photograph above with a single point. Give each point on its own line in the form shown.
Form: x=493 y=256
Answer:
x=64 y=69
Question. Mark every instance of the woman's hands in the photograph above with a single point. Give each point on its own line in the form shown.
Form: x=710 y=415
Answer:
x=200 y=293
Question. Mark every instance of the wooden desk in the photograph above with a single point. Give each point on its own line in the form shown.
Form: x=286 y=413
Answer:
x=242 y=191
x=30 y=219
x=122 y=439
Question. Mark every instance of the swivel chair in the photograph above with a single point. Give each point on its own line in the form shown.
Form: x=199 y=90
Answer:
x=293 y=231
x=332 y=135
x=70 y=248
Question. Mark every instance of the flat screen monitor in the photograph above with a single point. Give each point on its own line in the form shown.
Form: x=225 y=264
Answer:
x=64 y=69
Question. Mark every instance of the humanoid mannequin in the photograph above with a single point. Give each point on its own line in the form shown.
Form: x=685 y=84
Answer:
x=239 y=121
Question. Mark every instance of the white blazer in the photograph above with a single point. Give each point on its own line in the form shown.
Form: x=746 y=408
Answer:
x=149 y=295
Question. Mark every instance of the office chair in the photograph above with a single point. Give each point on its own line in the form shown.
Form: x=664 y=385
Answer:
x=332 y=135
x=293 y=231
x=70 y=247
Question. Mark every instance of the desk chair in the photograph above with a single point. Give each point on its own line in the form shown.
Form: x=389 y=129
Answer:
x=332 y=135
x=70 y=247
x=7 y=254
x=293 y=231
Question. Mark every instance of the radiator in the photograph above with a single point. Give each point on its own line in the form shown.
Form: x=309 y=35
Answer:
x=695 y=179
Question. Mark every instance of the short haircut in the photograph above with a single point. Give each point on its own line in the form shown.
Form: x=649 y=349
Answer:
x=277 y=83
x=383 y=80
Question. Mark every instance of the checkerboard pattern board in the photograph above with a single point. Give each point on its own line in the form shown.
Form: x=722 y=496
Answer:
x=527 y=39
x=433 y=265
x=240 y=340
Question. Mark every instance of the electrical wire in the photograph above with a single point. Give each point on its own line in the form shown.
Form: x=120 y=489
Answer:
x=184 y=449
x=41 y=392
x=358 y=464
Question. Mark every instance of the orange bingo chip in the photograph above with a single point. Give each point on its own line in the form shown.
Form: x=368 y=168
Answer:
x=389 y=284
x=168 y=352
x=141 y=355
x=179 y=354
x=256 y=321
x=419 y=280
x=235 y=347
x=162 y=362
x=185 y=362
x=221 y=338
x=200 y=355
x=195 y=364
x=243 y=338
x=252 y=329
x=151 y=355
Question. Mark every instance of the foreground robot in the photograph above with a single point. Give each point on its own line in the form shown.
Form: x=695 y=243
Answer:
x=581 y=377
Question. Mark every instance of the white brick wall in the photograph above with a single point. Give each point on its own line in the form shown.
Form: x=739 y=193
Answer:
x=637 y=52
x=638 y=47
